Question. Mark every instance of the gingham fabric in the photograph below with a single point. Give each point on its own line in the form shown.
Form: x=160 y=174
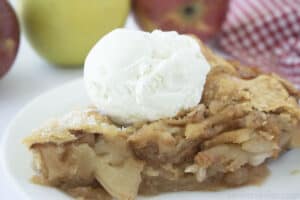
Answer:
x=265 y=33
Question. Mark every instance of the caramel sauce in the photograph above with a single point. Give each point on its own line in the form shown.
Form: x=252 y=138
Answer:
x=259 y=175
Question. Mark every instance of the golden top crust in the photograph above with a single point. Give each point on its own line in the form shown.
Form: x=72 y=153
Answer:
x=228 y=85
x=62 y=129
x=264 y=93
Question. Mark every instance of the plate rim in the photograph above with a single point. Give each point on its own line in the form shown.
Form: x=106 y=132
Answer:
x=5 y=137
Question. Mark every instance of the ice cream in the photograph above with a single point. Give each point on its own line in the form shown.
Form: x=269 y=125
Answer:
x=135 y=76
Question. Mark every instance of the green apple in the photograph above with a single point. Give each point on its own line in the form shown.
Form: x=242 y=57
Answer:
x=63 y=31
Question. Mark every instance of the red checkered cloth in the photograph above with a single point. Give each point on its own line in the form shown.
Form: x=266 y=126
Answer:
x=265 y=33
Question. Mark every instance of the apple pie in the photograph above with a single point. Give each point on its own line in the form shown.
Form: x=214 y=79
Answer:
x=245 y=118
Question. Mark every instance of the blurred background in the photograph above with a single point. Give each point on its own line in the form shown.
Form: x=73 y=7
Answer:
x=43 y=43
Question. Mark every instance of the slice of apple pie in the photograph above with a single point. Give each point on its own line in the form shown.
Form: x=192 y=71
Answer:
x=244 y=118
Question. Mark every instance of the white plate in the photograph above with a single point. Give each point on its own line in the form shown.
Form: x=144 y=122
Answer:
x=282 y=184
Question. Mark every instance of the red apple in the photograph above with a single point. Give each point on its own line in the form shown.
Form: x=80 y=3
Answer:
x=202 y=18
x=9 y=36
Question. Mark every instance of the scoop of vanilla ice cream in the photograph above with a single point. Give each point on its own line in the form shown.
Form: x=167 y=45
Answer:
x=135 y=76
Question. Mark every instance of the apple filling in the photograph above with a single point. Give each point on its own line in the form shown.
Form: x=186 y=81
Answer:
x=243 y=119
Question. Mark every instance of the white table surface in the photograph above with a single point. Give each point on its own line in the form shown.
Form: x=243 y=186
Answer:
x=29 y=77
